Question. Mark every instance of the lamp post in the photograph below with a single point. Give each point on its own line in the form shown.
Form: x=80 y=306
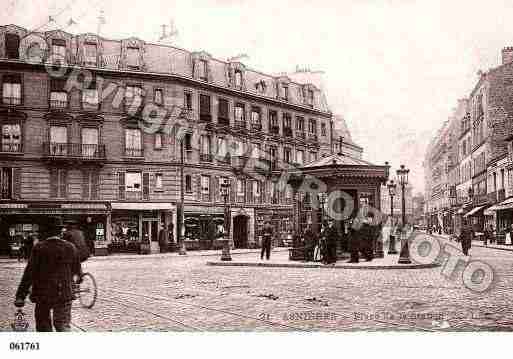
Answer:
x=402 y=175
x=391 y=191
x=322 y=201
x=181 y=228
x=225 y=254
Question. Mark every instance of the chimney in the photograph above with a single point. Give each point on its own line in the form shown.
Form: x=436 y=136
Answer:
x=507 y=55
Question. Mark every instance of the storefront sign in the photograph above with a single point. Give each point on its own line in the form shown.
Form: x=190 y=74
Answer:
x=27 y=227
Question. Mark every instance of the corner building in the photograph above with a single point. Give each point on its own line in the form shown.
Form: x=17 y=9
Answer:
x=81 y=152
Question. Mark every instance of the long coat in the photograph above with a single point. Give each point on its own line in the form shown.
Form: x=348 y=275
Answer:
x=466 y=237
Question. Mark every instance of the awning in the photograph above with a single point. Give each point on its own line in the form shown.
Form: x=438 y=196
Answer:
x=474 y=211
x=506 y=204
x=142 y=206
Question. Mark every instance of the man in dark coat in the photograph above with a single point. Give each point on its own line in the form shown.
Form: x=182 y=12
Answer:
x=467 y=233
x=267 y=235
x=310 y=243
x=367 y=236
x=354 y=241
x=50 y=272
x=74 y=235
x=330 y=236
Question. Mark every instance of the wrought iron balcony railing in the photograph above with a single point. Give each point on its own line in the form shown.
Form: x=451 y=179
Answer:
x=11 y=148
x=58 y=104
x=74 y=150
x=10 y=100
x=240 y=124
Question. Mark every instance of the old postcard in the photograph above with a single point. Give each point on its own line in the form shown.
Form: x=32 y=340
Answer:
x=271 y=166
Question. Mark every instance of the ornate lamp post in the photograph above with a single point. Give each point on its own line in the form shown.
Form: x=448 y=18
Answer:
x=181 y=224
x=402 y=175
x=391 y=191
x=322 y=201
x=225 y=255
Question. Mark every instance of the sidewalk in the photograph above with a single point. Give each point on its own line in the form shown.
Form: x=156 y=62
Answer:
x=195 y=253
x=501 y=247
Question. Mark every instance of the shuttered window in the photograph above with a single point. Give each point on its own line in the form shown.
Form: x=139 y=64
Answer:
x=204 y=108
x=223 y=109
x=58 y=183
x=121 y=186
x=90 y=184
x=146 y=185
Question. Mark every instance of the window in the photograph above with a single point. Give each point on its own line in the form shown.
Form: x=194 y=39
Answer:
x=188 y=142
x=132 y=58
x=58 y=96
x=239 y=113
x=205 y=154
x=90 y=54
x=158 y=141
x=58 y=50
x=58 y=183
x=11 y=138
x=255 y=118
x=261 y=86
x=204 y=108
x=323 y=129
x=187 y=100
x=90 y=183
x=89 y=141
x=287 y=125
x=133 y=98
x=6 y=183
x=273 y=153
x=158 y=97
x=312 y=126
x=287 y=155
x=256 y=189
x=222 y=114
x=12 y=46
x=58 y=140
x=90 y=98
x=133 y=181
x=310 y=97
x=273 y=122
x=158 y=182
x=239 y=187
x=238 y=79
x=300 y=157
x=285 y=92
x=133 y=142
x=313 y=156
x=188 y=184
x=300 y=123
x=11 y=90
x=222 y=149
x=203 y=70
x=205 y=188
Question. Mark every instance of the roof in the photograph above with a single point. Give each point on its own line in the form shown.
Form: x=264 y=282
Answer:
x=337 y=159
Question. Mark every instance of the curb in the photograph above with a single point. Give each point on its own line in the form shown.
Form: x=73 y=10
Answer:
x=497 y=248
x=337 y=266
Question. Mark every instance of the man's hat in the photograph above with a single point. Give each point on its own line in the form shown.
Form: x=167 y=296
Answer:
x=54 y=223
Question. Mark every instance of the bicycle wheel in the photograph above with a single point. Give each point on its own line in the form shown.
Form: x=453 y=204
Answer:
x=87 y=292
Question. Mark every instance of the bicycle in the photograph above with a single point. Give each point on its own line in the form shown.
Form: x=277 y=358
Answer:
x=86 y=290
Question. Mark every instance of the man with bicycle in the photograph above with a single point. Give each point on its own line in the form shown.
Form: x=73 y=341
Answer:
x=50 y=271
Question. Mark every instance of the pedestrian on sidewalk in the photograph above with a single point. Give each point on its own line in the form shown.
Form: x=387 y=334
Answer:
x=267 y=235
x=310 y=242
x=50 y=272
x=466 y=237
x=488 y=234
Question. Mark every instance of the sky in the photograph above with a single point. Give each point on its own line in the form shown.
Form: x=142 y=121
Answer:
x=394 y=69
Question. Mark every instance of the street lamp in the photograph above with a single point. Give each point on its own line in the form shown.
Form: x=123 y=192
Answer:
x=181 y=222
x=391 y=191
x=322 y=201
x=402 y=175
x=225 y=254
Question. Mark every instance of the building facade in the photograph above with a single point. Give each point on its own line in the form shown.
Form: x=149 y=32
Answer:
x=114 y=133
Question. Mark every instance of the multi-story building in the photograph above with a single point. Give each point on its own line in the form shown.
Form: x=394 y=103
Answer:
x=397 y=207
x=94 y=128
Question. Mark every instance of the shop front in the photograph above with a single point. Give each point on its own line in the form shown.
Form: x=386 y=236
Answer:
x=281 y=222
x=203 y=227
x=22 y=221
x=141 y=227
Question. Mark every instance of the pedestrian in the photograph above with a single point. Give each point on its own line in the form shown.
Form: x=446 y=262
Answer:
x=330 y=239
x=75 y=235
x=163 y=240
x=487 y=235
x=50 y=272
x=28 y=245
x=367 y=237
x=267 y=235
x=310 y=242
x=466 y=237
x=354 y=241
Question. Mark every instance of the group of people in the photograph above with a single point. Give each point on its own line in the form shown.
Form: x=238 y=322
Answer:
x=358 y=236
x=53 y=268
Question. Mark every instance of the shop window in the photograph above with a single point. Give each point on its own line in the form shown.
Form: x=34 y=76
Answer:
x=90 y=54
x=158 y=97
x=11 y=138
x=188 y=183
x=11 y=90
x=158 y=182
x=58 y=183
x=133 y=142
x=12 y=46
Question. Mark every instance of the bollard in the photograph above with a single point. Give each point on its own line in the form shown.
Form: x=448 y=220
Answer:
x=182 y=250
x=225 y=254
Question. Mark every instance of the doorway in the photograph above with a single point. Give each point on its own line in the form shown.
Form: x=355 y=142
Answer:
x=151 y=228
x=240 y=231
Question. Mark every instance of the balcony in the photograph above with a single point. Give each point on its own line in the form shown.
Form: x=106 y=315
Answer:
x=287 y=132
x=480 y=199
x=301 y=134
x=492 y=197
x=256 y=127
x=186 y=114
x=74 y=151
x=134 y=152
x=11 y=148
x=274 y=130
x=227 y=160
x=240 y=124
x=312 y=137
x=206 y=157
x=11 y=101
x=58 y=104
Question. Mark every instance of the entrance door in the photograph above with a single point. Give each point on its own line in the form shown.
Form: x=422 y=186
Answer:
x=150 y=227
x=240 y=232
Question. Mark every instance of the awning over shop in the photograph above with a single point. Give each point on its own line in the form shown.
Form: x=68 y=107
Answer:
x=474 y=211
x=141 y=206
x=506 y=204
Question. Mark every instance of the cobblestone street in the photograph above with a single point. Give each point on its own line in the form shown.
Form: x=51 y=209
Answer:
x=184 y=294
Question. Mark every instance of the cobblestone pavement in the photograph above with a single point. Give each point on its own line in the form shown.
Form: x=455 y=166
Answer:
x=184 y=294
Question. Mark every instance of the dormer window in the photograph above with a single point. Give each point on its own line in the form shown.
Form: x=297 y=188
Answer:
x=132 y=58
x=238 y=79
x=285 y=92
x=59 y=50
x=90 y=54
x=12 y=46
x=203 y=70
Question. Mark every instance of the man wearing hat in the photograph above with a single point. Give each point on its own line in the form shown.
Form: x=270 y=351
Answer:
x=74 y=235
x=267 y=235
x=50 y=272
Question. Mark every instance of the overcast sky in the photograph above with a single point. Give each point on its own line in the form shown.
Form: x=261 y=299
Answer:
x=394 y=69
